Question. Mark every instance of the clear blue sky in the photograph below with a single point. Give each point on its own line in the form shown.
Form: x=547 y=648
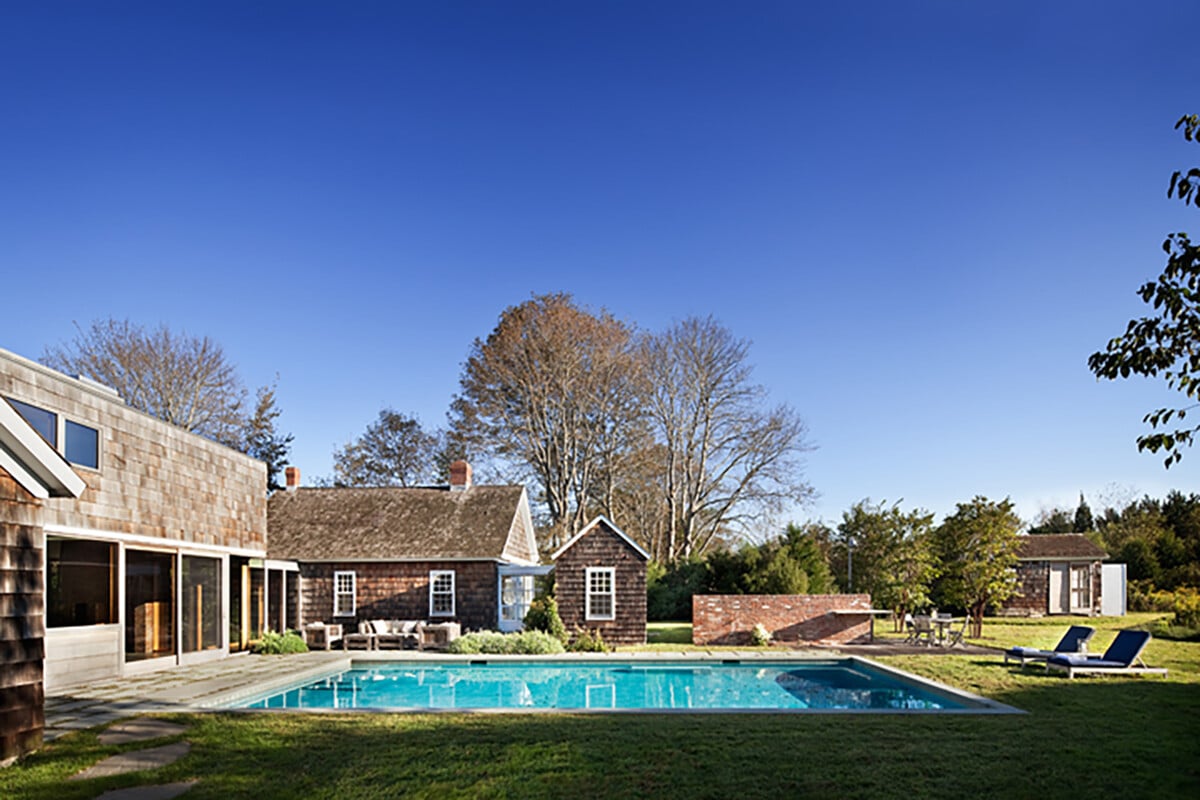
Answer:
x=924 y=215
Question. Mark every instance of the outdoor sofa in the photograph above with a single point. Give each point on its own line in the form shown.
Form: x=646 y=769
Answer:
x=1073 y=641
x=382 y=634
x=1123 y=657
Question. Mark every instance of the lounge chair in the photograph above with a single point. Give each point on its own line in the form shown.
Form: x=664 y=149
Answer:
x=1073 y=641
x=1122 y=657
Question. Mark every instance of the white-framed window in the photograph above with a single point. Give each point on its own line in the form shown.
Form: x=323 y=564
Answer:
x=600 y=583
x=441 y=593
x=344 y=597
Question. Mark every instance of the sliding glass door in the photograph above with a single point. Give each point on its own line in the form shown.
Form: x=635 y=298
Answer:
x=149 y=605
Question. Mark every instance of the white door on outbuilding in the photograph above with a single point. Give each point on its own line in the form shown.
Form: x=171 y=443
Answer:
x=1112 y=590
x=1060 y=589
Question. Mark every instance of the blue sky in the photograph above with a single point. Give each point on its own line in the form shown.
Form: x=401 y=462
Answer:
x=925 y=216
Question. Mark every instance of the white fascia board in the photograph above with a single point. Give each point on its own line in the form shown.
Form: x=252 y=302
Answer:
x=583 y=531
x=39 y=461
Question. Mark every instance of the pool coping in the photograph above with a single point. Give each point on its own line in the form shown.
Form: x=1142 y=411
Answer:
x=978 y=704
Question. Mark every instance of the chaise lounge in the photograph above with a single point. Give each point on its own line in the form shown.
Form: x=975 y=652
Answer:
x=1122 y=657
x=1073 y=641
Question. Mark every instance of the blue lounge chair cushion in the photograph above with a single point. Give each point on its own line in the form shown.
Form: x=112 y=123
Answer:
x=1084 y=661
x=1120 y=654
x=1071 y=642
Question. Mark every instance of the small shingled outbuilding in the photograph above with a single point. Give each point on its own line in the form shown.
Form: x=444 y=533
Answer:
x=1059 y=574
x=600 y=583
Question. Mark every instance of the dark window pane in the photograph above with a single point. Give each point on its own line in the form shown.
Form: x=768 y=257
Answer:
x=149 y=604
x=201 y=603
x=80 y=582
x=83 y=445
x=43 y=421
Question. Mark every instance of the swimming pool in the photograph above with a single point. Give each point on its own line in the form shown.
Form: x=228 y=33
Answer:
x=850 y=684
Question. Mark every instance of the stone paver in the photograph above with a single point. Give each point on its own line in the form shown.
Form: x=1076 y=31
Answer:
x=162 y=791
x=135 y=761
x=140 y=730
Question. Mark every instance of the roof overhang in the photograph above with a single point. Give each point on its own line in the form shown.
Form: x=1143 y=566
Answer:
x=31 y=461
x=586 y=528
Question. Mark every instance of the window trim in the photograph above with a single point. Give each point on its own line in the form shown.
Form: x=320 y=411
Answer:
x=1078 y=603
x=588 y=593
x=353 y=593
x=57 y=418
x=434 y=574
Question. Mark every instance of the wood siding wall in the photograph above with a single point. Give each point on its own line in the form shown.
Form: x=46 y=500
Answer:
x=600 y=547
x=400 y=590
x=1032 y=598
x=21 y=620
x=155 y=479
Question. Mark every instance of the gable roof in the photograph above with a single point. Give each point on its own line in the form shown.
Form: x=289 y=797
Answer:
x=31 y=461
x=608 y=524
x=399 y=524
x=1041 y=546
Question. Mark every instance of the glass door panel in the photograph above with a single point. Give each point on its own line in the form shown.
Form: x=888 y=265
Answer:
x=149 y=605
x=201 y=604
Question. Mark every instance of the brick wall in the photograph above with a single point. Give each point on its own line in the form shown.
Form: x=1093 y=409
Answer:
x=21 y=620
x=600 y=547
x=729 y=618
x=400 y=590
x=155 y=479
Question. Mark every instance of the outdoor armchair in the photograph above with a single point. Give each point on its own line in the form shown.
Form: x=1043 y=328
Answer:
x=1073 y=641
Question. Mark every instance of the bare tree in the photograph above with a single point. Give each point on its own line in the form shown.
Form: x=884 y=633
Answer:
x=728 y=461
x=394 y=451
x=551 y=390
x=181 y=379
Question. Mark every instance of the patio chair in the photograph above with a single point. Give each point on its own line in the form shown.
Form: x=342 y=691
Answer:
x=1073 y=641
x=1123 y=657
x=954 y=635
x=922 y=631
x=908 y=628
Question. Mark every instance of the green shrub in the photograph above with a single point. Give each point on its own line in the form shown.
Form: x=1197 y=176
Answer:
x=495 y=643
x=760 y=636
x=587 y=641
x=1187 y=608
x=543 y=616
x=275 y=644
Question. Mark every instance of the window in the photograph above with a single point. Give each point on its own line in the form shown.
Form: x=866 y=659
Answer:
x=43 y=421
x=149 y=604
x=81 y=580
x=601 y=601
x=1080 y=584
x=82 y=445
x=343 y=594
x=441 y=593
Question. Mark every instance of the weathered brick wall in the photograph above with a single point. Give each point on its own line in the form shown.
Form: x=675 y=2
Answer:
x=600 y=547
x=729 y=618
x=400 y=590
x=154 y=478
x=21 y=620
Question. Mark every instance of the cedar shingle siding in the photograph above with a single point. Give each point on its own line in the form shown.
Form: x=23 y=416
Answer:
x=21 y=620
x=602 y=547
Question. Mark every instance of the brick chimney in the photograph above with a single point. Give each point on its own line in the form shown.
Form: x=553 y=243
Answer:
x=460 y=476
x=292 y=476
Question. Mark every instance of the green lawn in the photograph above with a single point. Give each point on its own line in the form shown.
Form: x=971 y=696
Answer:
x=1128 y=737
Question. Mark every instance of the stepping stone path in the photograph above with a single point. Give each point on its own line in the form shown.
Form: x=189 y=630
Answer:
x=140 y=730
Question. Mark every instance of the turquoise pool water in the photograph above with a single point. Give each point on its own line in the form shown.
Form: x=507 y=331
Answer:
x=819 y=685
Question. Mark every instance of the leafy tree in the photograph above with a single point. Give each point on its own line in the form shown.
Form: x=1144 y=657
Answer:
x=1167 y=343
x=180 y=379
x=730 y=461
x=891 y=554
x=1056 y=520
x=262 y=440
x=977 y=547
x=1083 y=517
x=394 y=451
x=804 y=542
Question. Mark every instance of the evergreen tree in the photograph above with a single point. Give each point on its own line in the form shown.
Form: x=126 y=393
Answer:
x=1083 y=517
x=261 y=440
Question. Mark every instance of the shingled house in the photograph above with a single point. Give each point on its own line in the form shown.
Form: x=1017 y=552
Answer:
x=461 y=553
x=1059 y=573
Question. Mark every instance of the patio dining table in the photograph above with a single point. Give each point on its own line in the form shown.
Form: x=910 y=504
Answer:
x=943 y=624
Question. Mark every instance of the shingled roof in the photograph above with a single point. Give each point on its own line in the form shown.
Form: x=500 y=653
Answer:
x=398 y=524
x=1042 y=546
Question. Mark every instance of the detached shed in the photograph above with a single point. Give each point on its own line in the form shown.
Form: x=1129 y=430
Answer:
x=1059 y=574
x=600 y=580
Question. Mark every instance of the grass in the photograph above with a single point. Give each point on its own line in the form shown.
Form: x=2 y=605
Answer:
x=1128 y=736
